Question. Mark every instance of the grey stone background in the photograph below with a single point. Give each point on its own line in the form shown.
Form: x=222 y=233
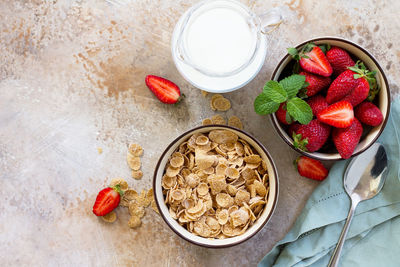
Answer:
x=72 y=80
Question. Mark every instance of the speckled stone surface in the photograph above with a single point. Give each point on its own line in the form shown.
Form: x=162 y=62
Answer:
x=72 y=81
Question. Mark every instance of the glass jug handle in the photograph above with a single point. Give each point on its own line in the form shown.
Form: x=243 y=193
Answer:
x=271 y=20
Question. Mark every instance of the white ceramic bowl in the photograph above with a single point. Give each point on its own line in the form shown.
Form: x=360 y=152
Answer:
x=216 y=243
x=383 y=97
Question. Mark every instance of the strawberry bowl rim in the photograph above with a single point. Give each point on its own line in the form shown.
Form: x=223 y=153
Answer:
x=334 y=156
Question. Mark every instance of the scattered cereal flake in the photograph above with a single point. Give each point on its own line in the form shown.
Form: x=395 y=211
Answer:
x=240 y=217
x=213 y=98
x=234 y=121
x=202 y=189
x=121 y=182
x=168 y=182
x=222 y=216
x=221 y=104
x=171 y=171
x=192 y=180
x=110 y=217
x=224 y=200
x=217 y=184
x=130 y=194
x=137 y=174
x=231 y=190
x=222 y=136
x=99 y=150
x=135 y=209
x=136 y=150
x=232 y=173
x=218 y=119
x=202 y=140
x=220 y=169
x=253 y=159
x=134 y=222
x=242 y=196
x=142 y=199
x=207 y=121
x=133 y=161
x=260 y=188
x=177 y=194
x=177 y=161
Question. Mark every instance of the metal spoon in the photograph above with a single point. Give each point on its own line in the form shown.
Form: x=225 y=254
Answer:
x=363 y=179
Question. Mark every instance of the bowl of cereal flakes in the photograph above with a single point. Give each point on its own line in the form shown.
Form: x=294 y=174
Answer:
x=216 y=186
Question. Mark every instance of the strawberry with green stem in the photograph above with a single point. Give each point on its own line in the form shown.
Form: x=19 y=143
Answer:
x=107 y=200
x=310 y=137
x=354 y=85
x=312 y=59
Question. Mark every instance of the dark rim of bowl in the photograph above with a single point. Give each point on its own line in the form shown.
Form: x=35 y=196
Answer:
x=229 y=128
x=310 y=154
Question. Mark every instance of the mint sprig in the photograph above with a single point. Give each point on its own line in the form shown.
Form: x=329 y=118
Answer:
x=274 y=93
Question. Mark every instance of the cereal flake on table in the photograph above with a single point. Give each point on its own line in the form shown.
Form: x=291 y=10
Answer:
x=135 y=151
x=219 y=103
x=220 y=189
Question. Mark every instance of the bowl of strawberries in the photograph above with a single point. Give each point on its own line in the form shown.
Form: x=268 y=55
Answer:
x=328 y=99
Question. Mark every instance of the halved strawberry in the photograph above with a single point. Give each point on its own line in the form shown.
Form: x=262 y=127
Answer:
x=339 y=60
x=316 y=83
x=312 y=59
x=311 y=168
x=339 y=115
x=346 y=139
x=165 y=90
x=107 y=200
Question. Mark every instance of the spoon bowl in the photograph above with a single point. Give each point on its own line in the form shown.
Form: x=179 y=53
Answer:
x=364 y=178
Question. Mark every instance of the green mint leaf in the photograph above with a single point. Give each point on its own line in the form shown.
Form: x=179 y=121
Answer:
x=275 y=92
x=299 y=110
x=293 y=84
x=289 y=118
x=264 y=105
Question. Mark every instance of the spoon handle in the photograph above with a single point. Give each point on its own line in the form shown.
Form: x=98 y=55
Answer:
x=334 y=261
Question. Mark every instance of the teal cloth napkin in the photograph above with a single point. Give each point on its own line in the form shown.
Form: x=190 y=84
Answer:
x=374 y=235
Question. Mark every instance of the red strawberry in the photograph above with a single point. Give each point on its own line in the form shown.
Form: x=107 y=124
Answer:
x=311 y=168
x=311 y=136
x=339 y=115
x=316 y=62
x=346 y=139
x=339 y=60
x=341 y=86
x=359 y=93
x=107 y=200
x=316 y=83
x=353 y=85
x=317 y=103
x=165 y=90
x=282 y=115
x=369 y=114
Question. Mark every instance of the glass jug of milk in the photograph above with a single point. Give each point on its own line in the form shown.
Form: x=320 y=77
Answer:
x=220 y=45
